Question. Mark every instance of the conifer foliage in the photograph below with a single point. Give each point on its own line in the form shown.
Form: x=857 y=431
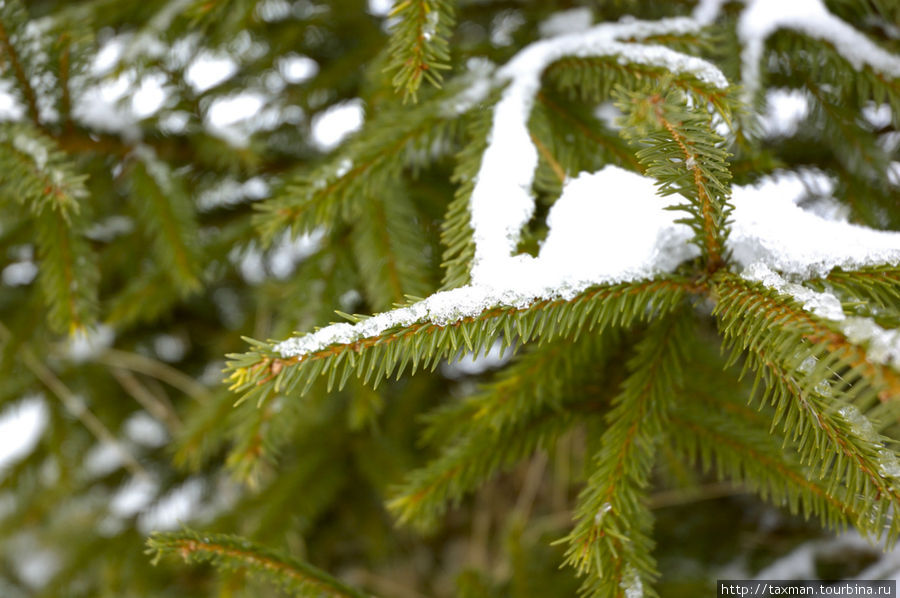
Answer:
x=668 y=292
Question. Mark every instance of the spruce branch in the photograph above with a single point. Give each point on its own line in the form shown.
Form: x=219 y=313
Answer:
x=596 y=79
x=389 y=248
x=232 y=553
x=68 y=277
x=13 y=19
x=419 y=47
x=148 y=366
x=541 y=376
x=682 y=151
x=610 y=542
x=469 y=462
x=393 y=140
x=536 y=400
x=822 y=387
x=879 y=284
x=39 y=176
x=168 y=212
x=748 y=455
x=777 y=322
x=262 y=371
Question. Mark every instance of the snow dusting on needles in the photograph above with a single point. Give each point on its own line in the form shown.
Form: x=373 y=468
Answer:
x=883 y=345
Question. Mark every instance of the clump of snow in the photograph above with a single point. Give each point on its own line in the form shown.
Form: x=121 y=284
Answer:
x=706 y=11
x=231 y=192
x=143 y=429
x=330 y=127
x=133 y=496
x=824 y=305
x=10 y=108
x=501 y=202
x=109 y=228
x=19 y=273
x=601 y=513
x=567 y=21
x=21 y=426
x=877 y=115
x=380 y=8
x=86 y=345
x=287 y=252
x=504 y=26
x=431 y=23
x=631 y=583
x=272 y=11
x=280 y=261
x=209 y=69
x=296 y=68
x=785 y=110
x=590 y=219
x=169 y=347
x=761 y=18
x=147 y=99
x=883 y=345
x=224 y=112
x=32 y=147
x=472 y=364
x=176 y=508
x=104 y=458
x=479 y=71
x=606 y=227
x=769 y=227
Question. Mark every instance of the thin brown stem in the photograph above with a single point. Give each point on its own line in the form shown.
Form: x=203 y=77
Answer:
x=21 y=77
x=155 y=369
x=74 y=404
x=146 y=399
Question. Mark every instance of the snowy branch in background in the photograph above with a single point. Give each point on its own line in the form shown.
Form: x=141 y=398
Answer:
x=762 y=18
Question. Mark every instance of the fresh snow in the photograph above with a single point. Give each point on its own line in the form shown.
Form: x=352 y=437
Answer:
x=330 y=127
x=501 y=202
x=769 y=227
x=21 y=427
x=589 y=219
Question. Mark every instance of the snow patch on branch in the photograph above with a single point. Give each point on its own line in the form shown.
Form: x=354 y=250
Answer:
x=883 y=345
x=769 y=227
x=501 y=202
x=596 y=236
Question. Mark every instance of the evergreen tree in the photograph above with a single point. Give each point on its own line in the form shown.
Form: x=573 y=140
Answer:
x=671 y=295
